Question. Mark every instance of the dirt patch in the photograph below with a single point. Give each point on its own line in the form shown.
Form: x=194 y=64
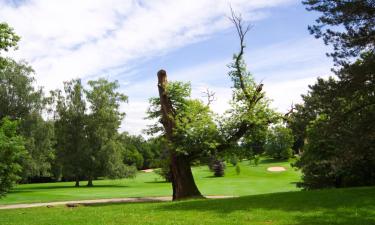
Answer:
x=276 y=169
x=148 y=170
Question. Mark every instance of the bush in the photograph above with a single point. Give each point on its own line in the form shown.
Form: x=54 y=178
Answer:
x=256 y=160
x=218 y=167
x=238 y=169
x=279 y=143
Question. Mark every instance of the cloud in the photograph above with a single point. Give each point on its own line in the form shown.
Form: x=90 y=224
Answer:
x=68 y=39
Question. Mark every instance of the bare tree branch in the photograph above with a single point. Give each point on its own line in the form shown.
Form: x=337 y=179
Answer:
x=210 y=95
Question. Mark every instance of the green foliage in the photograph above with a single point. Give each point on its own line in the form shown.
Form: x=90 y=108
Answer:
x=18 y=96
x=238 y=169
x=195 y=133
x=339 y=128
x=39 y=142
x=256 y=160
x=233 y=160
x=348 y=25
x=87 y=140
x=112 y=154
x=8 y=39
x=279 y=142
x=102 y=122
x=70 y=129
x=12 y=150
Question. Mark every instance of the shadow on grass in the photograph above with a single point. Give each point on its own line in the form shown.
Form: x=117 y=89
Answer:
x=212 y=176
x=270 y=160
x=157 y=182
x=341 y=206
x=28 y=189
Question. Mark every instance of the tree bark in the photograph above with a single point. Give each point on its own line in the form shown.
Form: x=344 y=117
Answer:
x=89 y=182
x=77 y=182
x=183 y=183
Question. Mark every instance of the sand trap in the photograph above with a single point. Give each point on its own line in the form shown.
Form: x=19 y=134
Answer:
x=276 y=169
x=148 y=170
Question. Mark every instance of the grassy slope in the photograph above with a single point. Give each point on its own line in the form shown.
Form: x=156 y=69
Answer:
x=340 y=206
x=252 y=180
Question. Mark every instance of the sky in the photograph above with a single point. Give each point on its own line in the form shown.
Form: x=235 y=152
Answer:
x=193 y=40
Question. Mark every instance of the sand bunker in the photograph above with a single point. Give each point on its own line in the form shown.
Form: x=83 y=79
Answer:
x=276 y=169
x=148 y=170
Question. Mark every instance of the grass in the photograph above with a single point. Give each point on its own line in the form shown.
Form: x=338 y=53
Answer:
x=336 y=206
x=252 y=180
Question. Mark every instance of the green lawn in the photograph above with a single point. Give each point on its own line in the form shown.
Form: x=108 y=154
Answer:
x=341 y=206
x=252 y=180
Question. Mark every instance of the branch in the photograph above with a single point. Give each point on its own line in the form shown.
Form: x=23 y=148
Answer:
x=238 y=23
x=210 y=95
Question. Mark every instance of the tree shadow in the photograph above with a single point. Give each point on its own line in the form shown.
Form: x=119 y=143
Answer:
x=270 y=160
x=33 y=188
x=157 y=182
x=350 y=206
x=137 y=200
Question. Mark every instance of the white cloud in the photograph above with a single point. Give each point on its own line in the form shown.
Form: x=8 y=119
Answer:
x=67 y=39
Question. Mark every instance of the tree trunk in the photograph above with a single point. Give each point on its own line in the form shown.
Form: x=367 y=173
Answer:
x=182 y=178
x=183 y=183
x=77 y=182
x=89 y=182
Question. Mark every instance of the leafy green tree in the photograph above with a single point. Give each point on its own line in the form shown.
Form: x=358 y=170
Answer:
x=335 y=121
x=339 y=135
x=102 y=123
x=279 y=142
x=12 y=150
x=112 y=155
x=20 y=100
x=189 y=127
x=71 y=130
x=349 y=26
x=39 y=142
x=18 y=96
x=133 y=146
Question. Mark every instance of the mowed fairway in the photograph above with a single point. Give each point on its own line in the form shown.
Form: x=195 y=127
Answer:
x=252 y=180
x=336 y=206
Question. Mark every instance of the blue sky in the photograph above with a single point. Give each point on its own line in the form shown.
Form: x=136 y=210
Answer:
x=130 y=41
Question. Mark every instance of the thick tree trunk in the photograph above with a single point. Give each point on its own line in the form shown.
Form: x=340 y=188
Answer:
x=89 y=182
x=182 y=179
x=77 y=182
x=183 y=183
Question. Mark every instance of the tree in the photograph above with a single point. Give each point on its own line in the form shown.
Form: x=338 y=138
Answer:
x=71 y=130
x=279 y=143
x=189 y=128
x=334 y=124
x=339 y=133
x=20 y=100
x=18 y=96
x=102 y=123
x=348 y=25
x=12 y=150
x=39 y=142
